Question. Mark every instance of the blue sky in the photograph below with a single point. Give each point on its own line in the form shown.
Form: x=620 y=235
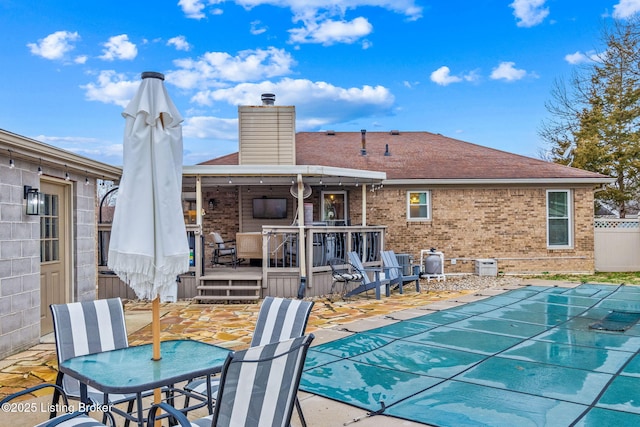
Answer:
x=480 y=71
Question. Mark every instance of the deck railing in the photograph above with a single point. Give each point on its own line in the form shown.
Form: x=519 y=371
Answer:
x=281 y=249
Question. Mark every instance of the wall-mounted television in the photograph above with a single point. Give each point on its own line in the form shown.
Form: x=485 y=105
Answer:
x=266 y=208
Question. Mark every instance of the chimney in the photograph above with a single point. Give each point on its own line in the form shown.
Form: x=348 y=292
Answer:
x=363 y=151
x=268 y=98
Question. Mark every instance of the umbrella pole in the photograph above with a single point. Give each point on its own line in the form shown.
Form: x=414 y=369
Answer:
x=155 y=331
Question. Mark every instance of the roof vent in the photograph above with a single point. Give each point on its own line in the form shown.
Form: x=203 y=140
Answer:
x=330 y=132
x=386 y=150
x=363 y=150
x=268 y=98
x=394 y=132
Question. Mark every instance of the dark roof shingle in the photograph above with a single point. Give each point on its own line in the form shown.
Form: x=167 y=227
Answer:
x=418 y=155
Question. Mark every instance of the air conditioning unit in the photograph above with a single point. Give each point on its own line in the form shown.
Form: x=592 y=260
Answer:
x=404 y=261
x=486 y=267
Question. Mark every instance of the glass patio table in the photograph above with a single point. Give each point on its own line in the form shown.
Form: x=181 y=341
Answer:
x=131 y=370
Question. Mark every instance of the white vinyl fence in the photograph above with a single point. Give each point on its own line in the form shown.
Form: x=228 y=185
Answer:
x=617 y=244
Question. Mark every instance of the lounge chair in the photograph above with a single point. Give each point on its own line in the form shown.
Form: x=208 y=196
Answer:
x=278 y=319
x=73 y=419
x=367 y=283
x=258 y=387
x=396 y=271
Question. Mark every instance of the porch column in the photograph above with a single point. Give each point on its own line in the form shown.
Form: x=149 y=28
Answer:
x=198 y=250
x=364 y=205
x=302 y=252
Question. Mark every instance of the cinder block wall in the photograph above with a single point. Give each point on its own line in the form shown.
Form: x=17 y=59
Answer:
x=507 y=224
x=19 y=261
x=20 y=299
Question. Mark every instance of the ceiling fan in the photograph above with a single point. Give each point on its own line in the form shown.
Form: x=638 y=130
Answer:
x=305 y=193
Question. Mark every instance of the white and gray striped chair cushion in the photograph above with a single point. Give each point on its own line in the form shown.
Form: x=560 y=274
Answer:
x=279 y=319
x=88 y=327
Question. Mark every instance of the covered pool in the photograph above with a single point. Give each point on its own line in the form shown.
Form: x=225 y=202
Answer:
x=535 y=356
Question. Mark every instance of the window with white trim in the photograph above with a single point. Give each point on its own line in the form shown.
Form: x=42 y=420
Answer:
x=559 y=219
x=418 y=205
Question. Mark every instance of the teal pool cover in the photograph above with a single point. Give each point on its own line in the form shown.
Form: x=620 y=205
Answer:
x=527 y=357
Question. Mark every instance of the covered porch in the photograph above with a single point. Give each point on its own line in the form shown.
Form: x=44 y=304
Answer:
x=323 y=215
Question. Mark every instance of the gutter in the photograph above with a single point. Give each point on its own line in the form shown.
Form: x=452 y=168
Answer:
x=499 y=181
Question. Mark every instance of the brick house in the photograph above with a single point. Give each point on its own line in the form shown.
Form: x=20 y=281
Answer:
x=468 y=201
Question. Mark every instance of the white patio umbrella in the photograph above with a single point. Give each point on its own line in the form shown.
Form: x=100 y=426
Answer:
x=148 y=247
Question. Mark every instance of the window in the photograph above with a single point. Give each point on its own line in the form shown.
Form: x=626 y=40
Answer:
x=334 y=206
x=418 y=205
x=559 y=225
x=49 y=229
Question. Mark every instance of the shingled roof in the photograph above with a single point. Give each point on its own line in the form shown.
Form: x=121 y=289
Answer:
x=420 y=155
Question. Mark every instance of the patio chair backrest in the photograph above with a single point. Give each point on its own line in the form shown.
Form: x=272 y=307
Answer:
x=217 y=238
x=85 y=328
x=354 y=259
x=280 y=319
x=390 y=260
x=258 y=386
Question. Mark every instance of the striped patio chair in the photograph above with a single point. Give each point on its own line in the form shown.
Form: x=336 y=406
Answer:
x=258 y=386
x=84 y=328
x=278 y=319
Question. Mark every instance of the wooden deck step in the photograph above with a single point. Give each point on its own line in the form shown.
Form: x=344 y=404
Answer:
x=228 y=287
x=226 y=298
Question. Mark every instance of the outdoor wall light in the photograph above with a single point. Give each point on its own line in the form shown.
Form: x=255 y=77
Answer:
x=35 y=200
x=212 y=204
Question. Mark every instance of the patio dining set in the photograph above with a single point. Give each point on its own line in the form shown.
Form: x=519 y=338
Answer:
x=98 y=369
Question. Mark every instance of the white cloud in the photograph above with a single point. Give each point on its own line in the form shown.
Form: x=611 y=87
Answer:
x=317 y=103
x=119 y=47
x=529 y=13
x=581 y=58
x=257 y=28
x=111 y=88
x=329 y=32
x=215 y=67
x=205 y=127
x=55 y=45
x=192 y=8
x=180 y=43
x=312 y=7
x=443 y=77
x=88 y=147
x=322 y=20
x=626 y=9
x=507 y=71
x=81 y=59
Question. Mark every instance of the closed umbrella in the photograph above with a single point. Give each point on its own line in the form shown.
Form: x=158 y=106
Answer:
x=148 y=247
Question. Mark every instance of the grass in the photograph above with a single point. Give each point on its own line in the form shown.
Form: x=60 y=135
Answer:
x=628 y=278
